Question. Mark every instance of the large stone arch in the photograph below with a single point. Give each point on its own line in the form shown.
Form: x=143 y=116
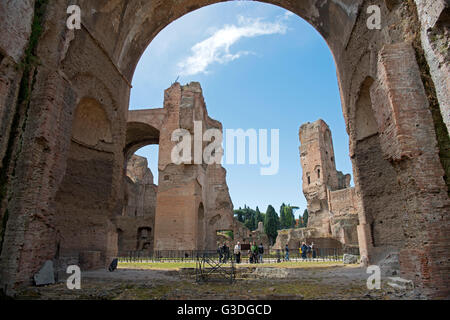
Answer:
x=137 y=218
x=139 y=134
x=113 y=37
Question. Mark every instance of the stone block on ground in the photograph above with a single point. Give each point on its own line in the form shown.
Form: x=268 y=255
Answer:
x=350 y=259
x=390 y=265
x=46 y=275
x=400 y=283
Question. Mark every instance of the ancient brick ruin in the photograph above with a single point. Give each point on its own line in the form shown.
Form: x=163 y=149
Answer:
x=333 y=206
x=64 y=99
x=136 y=225
x=191 y=202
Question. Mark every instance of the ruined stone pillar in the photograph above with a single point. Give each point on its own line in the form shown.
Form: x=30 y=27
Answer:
x=179 y=198
x=408 y=141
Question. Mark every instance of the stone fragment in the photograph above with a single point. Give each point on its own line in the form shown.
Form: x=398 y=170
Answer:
x=400 y=283
x=350 y=259
x=390 y=265
x=46 y=275
x=113 y=265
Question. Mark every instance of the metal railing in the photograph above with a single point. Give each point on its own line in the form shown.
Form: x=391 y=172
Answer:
x=270 y=255
x=215 y=266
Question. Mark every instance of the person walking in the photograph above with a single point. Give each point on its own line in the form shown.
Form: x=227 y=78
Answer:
x=237 y=252
x=287 y=252
x=304 y=249
x=260 y=253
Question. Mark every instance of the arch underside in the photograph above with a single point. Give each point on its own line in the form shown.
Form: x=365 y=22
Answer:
x=139 y=135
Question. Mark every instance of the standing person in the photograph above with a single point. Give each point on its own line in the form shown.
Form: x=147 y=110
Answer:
x=237 y=252
x=308 y=251
x=220 y=252
x=223 y=255
x=226 y=252
x=260 y=253
x=287 y=252
x=254 y=250
x=304 y=248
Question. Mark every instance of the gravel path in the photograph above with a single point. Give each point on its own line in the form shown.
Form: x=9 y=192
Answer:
x=338 y=283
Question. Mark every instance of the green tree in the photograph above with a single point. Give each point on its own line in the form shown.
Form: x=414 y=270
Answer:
x=239 y=215
x=305 y=218
x=247 y=216
x=271 y=223
x=288 y=217
x=282 y=217
x=259 y=217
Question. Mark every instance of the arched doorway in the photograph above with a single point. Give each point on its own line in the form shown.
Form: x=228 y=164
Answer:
x=137 y=218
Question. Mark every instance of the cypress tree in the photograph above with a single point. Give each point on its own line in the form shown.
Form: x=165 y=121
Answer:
x=271 y=223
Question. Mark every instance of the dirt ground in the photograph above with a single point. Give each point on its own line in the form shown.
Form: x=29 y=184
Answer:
x=335 y=282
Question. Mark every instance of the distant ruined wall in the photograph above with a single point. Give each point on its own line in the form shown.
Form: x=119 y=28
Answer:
x=136 y=225
x=344 y=206
x=295 y=237
x=243 y=235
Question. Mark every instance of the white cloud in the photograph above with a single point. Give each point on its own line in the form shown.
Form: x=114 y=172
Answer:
x=216 y=48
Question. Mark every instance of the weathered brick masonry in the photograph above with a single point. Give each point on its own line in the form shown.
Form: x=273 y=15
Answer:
x=59 y=183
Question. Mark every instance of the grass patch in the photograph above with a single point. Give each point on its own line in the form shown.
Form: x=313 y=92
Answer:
x=179 y=265
x=156 y=265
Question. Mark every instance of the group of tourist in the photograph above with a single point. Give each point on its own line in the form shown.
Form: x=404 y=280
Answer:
x=256 y=252
x=306 y=251
x=224 y=253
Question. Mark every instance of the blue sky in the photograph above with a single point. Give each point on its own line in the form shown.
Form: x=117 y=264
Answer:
x=260 y=67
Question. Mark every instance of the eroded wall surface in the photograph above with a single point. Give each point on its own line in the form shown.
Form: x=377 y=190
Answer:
x=136 y=224
x=403 y=181
x=192 y=201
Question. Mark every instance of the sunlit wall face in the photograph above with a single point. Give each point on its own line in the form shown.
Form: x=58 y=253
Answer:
x=260 y=67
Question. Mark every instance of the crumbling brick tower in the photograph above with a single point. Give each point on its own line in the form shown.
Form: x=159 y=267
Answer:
x=193 y=200
x=319 y=173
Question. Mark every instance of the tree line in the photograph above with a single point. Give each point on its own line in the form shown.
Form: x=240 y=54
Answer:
x=272 y=221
